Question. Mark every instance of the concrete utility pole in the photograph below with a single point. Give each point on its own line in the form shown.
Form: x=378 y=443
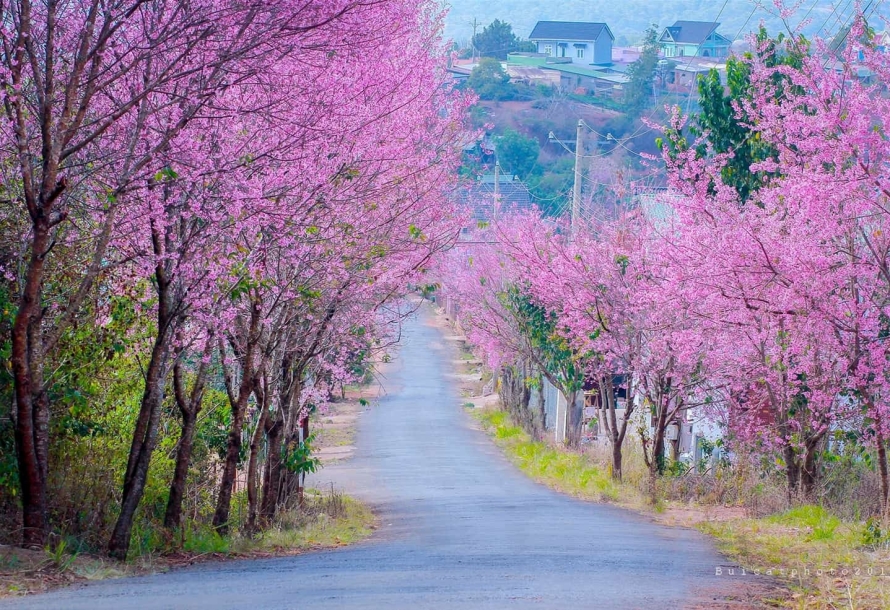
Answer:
x=497 y=189
x=475 y=24
x=576 y=191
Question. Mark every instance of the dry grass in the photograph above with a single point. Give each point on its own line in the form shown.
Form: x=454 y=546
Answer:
x=829 y=563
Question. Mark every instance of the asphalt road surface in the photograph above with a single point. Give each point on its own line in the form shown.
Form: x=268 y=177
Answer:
x=460 y=528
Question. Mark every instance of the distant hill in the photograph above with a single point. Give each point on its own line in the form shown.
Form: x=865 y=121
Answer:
x=628 y=19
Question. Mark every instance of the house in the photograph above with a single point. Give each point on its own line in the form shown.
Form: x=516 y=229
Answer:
x=694 y=39
x=574 y=41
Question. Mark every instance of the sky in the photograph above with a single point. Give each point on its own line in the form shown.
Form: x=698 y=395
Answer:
x=628 y=19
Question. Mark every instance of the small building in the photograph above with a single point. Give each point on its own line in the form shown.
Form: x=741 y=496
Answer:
x=694 y=39
x=532 y=75
x=591 y=81
x=580 y=42
x=601 y=81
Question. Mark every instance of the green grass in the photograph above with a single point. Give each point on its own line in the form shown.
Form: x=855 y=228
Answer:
x=822 y=524
x=333 y=522
x=325 y=521
x=570 y=473
x=822 y=557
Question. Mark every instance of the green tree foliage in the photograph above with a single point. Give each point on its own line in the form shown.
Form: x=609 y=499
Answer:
x=490 y=81
x=517 y=153
x=638 y=91
x=562 y=364
x=8 y=468
x=496 y=40
x=559 y=362
x=721 y=126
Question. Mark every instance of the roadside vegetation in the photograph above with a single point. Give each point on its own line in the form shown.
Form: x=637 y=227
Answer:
x=825 y=561
x=207 y=232
x=720 y=347
x=326 y=520
x=571 y=473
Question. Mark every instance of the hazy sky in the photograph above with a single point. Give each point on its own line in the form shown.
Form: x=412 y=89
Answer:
x=630 y=18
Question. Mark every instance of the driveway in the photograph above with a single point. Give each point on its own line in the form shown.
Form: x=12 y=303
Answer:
x=460 y=528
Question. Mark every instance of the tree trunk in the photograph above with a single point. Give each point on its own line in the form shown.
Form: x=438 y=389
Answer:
x=189 y=407
x=230 y=468
x=31 y=401
x=809 y=474
x=575 y=415
x=792 y=471
x=656 y=464
x=301 y=481
x=288 y=397
x=542 y=411
x=142 y=447
x=272 y=475
x=609 y=423
x=146 y=431
x=239 y=406
x=173 y=514
x=617 y=458
x=882 y=469
x=262 y=396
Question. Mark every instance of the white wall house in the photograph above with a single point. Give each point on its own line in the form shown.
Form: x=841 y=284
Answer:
x=582 y=43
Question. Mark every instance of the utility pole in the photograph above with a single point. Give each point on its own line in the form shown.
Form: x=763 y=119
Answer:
x=576 y=191
x=475 y=24
x=497 y=188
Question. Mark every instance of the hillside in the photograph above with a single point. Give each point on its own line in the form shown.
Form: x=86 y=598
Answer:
x=628 y=19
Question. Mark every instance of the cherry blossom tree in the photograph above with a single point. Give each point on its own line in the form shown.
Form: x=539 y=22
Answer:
x=203 y=147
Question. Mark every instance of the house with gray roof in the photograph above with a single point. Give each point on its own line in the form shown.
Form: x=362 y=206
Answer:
x=576 y=42
x=694 y=39
x=480 y=199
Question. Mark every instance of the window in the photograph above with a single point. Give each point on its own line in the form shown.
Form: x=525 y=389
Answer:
x=548 y=49
x=580 y=53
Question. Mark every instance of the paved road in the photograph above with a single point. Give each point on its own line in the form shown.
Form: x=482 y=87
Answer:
x=460 y=529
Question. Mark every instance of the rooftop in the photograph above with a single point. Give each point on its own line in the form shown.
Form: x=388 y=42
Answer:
x=602 y=74
x=568 y=30
x=513 y=194
x=690 y=32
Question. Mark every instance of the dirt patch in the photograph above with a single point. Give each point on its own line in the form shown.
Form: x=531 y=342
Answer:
x=692 y=516
x=24 y=571
x=335 y=427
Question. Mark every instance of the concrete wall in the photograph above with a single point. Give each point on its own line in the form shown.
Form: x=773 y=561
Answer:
x=603 y=54
x=596 y=52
